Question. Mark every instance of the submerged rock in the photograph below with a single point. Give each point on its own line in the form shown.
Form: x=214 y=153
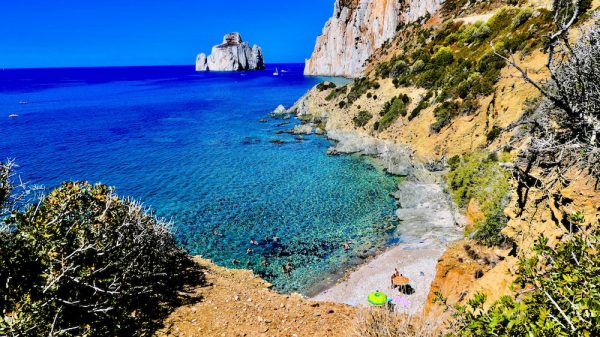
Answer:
x=232 y=55
x=303 y=129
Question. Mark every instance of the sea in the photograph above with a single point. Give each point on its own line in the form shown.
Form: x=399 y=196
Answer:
x=201 y=151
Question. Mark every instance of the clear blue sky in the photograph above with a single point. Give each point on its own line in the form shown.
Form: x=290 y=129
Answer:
x=61 y=33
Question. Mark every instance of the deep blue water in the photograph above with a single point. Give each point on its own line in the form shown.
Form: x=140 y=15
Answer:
x=191 y=147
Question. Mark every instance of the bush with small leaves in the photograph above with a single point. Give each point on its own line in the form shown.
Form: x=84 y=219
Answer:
x=443 y=57
x=479 y=176
x=443 y=114
x=84 y=262
x=362 y=118
x=392 y=110
x=325 y=86
x=560 y=298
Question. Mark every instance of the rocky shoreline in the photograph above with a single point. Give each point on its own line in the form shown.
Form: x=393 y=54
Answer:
x=428 y=220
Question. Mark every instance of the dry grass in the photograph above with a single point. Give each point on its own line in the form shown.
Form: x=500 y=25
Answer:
x=379 y=322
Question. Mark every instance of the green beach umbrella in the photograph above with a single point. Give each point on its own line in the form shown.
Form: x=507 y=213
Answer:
x=377 y=298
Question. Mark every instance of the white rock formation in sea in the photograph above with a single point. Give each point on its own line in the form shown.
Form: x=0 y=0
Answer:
x=232 y=55
x=356 y=29
x=280 y=110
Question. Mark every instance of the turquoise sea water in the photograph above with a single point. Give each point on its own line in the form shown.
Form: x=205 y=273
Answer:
x=192 y=148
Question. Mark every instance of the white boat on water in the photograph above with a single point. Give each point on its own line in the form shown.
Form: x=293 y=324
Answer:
x=276 y=73
x=13 y=116
x=23 y=102
x=284 y=71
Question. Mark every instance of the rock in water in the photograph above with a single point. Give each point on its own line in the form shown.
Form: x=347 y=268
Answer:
x=201 y=62
x=232 y=55
x=356 y=29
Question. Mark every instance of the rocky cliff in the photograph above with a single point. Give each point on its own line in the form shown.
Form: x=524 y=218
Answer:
x=357 y=29
x=232 y=55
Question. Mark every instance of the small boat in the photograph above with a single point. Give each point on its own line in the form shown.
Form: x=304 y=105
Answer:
x=284 y=71
x=13 y=116
x=276 y=73
x=23 y=102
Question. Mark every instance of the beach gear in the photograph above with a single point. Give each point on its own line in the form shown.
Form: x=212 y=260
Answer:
x=400 y=280
x=377 y=298
x=401 y=302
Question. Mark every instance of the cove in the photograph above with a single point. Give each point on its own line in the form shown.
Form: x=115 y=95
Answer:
x=191 y=147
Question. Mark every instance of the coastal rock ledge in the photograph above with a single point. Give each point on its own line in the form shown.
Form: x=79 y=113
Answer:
x=232 y=55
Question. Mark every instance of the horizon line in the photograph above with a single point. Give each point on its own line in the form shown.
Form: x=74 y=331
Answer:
x=122 y=66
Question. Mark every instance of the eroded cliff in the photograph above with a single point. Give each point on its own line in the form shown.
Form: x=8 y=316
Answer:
x=357 y=29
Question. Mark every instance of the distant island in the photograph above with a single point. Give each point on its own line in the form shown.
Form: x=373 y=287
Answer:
x=232 y=55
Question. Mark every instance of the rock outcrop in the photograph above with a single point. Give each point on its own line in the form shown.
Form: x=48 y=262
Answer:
x=232 y=55
x=357 y=29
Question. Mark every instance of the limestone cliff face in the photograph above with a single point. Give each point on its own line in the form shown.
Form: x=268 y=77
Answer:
x=356 y=29
x=232 y=55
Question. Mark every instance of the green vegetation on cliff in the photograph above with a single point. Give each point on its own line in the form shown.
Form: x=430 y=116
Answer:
x=479 y=176
x=559 y=293
x=391 y=111
x=459 y=62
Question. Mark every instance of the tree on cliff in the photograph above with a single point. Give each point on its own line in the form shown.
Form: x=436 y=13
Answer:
x=83 y=262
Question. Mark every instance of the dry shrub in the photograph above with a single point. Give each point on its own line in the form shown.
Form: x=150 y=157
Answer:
x=379 y=322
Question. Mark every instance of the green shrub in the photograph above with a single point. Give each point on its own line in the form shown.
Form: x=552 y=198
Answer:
x=423 y=104
x=562 y=297
x=359 y=88
x=417 y=67
x=493 y=134
x=84 y=262
x=443 y=114
x=481 y=33
x=521 y=18
x=443 y=57
x=336 y=92
x=398 y=69
x=468 y=107
x=431 y=78
x=479 y=176
x=325 y=86
x=362 y=118
x=392 y=110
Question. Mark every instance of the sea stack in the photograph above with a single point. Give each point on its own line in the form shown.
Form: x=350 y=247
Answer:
x=232 y=55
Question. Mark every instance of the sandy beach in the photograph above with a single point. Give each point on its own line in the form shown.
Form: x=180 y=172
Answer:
x=428 y=222
x=415 y=261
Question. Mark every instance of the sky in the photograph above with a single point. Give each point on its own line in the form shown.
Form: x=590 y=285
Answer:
x=74 y=33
